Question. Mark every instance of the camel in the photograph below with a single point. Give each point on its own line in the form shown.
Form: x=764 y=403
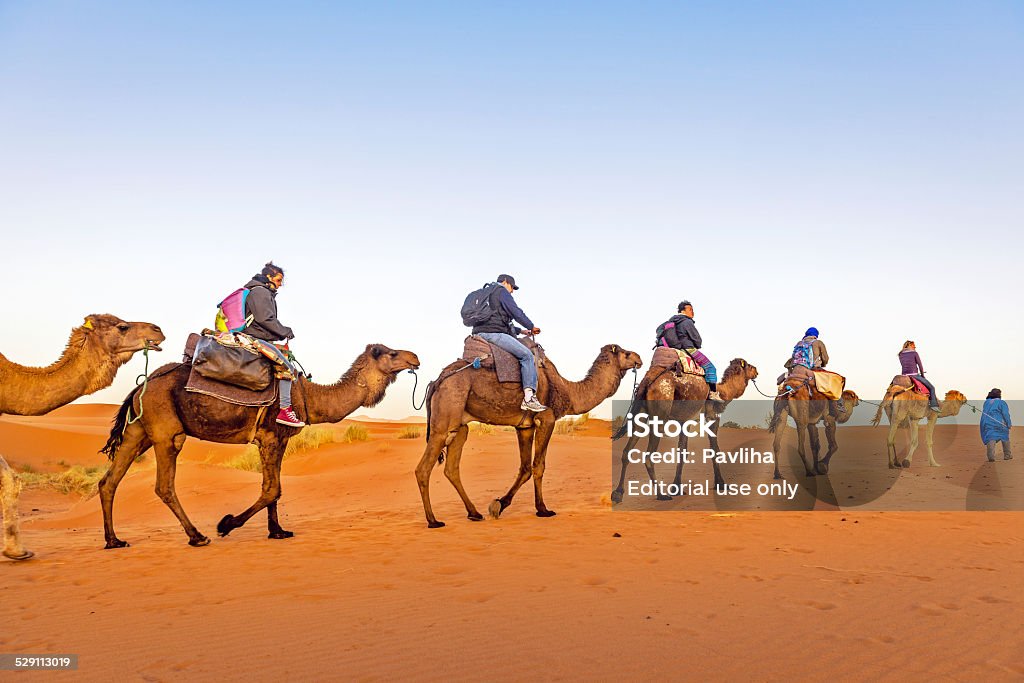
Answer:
x=682 y=397
x=808 y=406
x=459 y=397
x=905 y=408
x=95 y=351
x=173 y=414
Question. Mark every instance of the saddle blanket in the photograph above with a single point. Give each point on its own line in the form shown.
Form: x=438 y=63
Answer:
x=829 y=383
x=665 y=357
x=912 y=383
x=504 y=363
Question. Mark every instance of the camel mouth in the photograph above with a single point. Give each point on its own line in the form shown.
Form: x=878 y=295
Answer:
x=152 y=346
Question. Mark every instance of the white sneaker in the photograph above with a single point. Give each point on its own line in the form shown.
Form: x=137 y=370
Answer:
x=533 y=404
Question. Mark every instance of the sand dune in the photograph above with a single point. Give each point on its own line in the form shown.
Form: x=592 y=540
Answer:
x=366 y=591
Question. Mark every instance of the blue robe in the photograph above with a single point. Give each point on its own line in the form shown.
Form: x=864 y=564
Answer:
x=995 y=421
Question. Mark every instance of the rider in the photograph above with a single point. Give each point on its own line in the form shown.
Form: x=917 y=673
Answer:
x=499 y=330
x=681 y=333
x=809 y=355
x=910 y=363
x=266 y=329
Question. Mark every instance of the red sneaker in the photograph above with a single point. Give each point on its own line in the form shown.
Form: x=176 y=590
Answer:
x=288 y=417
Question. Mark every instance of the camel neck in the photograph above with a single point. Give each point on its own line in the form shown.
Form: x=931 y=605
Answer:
x=36 y=391
x=601 y=382
x=360 y=387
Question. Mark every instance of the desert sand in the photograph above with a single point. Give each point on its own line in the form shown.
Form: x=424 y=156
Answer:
x=365 y=591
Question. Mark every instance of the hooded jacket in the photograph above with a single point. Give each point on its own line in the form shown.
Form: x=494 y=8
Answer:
x=683 y=333
x=819 y=350
x=505 y=310
x=261 y=304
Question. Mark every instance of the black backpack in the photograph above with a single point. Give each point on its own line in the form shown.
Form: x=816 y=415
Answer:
x=477 y=308
x=660 y=334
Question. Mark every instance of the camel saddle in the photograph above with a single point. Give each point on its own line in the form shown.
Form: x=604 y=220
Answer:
x=231 y=393
x=677 y=359
x=911 y=383
x=504 y=363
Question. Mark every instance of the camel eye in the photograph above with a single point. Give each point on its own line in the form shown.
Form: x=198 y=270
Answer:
x=124 y=327
x=394 y=354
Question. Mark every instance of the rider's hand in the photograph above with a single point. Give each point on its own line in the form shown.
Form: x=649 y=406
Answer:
x=535 y=330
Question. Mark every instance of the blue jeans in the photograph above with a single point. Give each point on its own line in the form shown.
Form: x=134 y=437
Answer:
x=285 y=384
x=933 y=400
x=507 y=342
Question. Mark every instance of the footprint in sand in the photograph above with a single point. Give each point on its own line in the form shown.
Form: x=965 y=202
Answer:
x=933 y=610
x=823 y=606
x=593 y=581
x=991 y=599
x=449 y=570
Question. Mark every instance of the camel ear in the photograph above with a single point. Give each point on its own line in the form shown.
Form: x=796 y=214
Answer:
x=87 y=324
x=375 y=351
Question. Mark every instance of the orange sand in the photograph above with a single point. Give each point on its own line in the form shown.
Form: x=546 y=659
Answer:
x=365 y=591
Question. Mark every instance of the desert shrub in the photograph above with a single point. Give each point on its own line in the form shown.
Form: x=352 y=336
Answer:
x=410 y=432
x=76 y=479
x=571 y=425
x=309 y=439
x=731 y=425
x=480 y=428
x=356 y=433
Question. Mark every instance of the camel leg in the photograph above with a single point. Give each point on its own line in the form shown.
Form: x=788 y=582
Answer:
x=544 y=432
x=929 y=438
x=833 y=445
x=654 y=446
x=274 y=529
x=451 y=470
x=271 y=455
x=913 y=443
x=815 y=440
x=526 y=440
x=617 y=492
x=894 y=426
x=802 y=449
x=431 y=453
x=136 y=442
x=684 y=440
x=719 y=479
x=166 y=467
x=781 y=425
x=10 y=487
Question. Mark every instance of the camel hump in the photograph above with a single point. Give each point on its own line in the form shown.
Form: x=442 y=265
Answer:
x=906 y=382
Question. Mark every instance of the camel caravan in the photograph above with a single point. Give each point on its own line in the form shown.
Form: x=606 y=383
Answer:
x=240 y=383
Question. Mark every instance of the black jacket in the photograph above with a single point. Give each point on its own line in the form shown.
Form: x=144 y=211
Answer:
x=261 y=305
x=505 y=310
x=683 y=334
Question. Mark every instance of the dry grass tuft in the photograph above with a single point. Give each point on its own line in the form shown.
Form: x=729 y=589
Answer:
x=75 y=479
x=309 y=439
x=410 y=433
x=570 y=426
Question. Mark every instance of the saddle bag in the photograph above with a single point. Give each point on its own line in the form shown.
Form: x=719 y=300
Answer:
x=231 y=365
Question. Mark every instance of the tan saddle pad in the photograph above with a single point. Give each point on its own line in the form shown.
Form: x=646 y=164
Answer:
x=665 y=357
x=504 y=363
x=197 y=384
x=831 y=384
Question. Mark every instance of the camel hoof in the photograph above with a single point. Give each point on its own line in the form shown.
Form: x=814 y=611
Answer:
x=778 y=475
x=906 y=463
x=935 y=464
x=662 y=496
x=199 y=542
x=24 y=556
x=280 y=533
x=495 y=509
x=809 y=473
x=226 y=525
x=435 y=524
x=822 y=469
x=616 y=496
x=475 y=517
x=116 y=543
x=545 y=513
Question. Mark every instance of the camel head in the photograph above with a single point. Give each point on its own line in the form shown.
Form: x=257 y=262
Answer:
x=738 y=366
x=119 y=339
x=953 y=402
x=851 y=400
x=389 y=361
x=621 y=358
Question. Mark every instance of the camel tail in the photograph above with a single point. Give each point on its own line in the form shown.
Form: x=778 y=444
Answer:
x=426 y=399
x=780 y=407
x=120 y=424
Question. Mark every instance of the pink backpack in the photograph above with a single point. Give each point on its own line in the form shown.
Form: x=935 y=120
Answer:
x=231 y=315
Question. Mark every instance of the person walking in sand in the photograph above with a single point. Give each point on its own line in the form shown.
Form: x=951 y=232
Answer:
x=911 y=366
x=995 y=425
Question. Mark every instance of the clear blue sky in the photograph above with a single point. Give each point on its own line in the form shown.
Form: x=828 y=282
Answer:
x=853 y=166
